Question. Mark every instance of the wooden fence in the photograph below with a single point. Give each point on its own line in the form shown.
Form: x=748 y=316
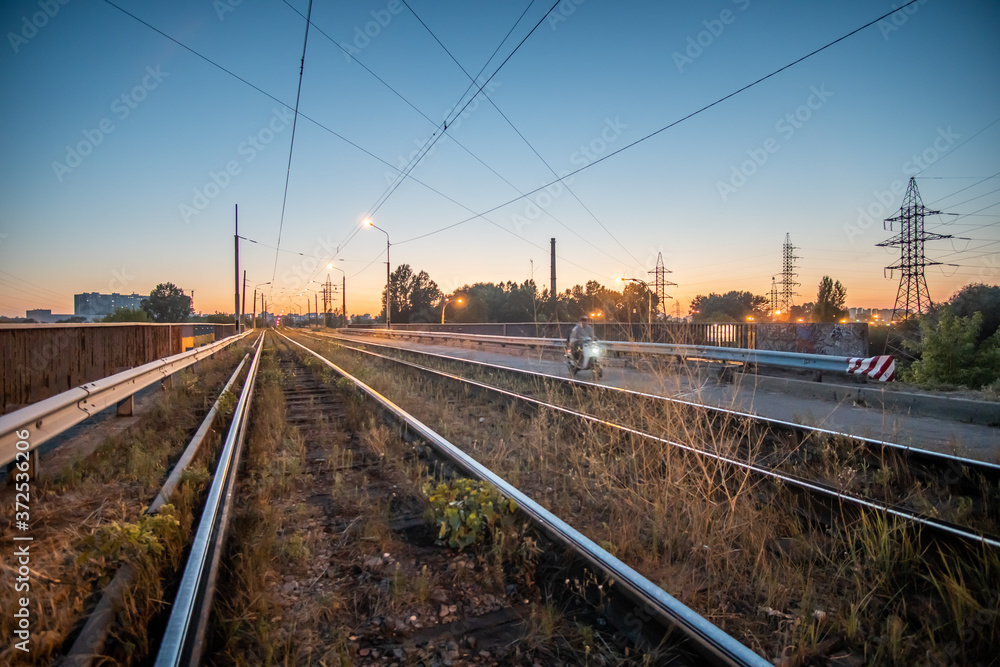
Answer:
x=41 y=360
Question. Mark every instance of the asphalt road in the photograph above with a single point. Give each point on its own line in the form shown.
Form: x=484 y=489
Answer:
x=702 y=386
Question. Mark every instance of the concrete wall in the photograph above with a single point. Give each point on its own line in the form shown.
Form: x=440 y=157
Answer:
x=845 y=340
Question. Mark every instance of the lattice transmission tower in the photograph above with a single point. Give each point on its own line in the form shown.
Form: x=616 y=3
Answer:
x=912 y=298
x=660 y=283
x=327 y=300
x=788 y=275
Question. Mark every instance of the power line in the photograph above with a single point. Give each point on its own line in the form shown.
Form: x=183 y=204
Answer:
x=995 y=121
x=291 y=143
x=674 y=123
x=317 y=123
x=941 y=199
x=444 y=127
x=531 y=147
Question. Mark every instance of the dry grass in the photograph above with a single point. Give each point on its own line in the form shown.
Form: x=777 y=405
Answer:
x=317 y=573
x=802 y=590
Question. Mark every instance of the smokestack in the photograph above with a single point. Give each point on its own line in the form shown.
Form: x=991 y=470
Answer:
x=552 y=289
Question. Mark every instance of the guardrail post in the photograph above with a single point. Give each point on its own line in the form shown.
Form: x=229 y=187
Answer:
x=167 y=382
x=126 y=406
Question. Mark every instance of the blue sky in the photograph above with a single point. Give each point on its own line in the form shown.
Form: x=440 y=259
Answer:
x=126 y=153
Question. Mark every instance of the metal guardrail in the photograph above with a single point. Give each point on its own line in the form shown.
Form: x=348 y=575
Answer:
x=719 y=646
x=50 y=417
x=184 y=637
x=801 y=361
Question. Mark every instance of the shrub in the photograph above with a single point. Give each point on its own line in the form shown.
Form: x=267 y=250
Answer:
x=950 y=353
x=466 y=510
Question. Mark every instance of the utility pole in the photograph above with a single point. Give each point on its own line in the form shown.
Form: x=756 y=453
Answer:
x=552 y=288
x=774 y=298
x=236 y=243
x=912 y=298
x=787 y=274
x=243 y=305
x=660 y=282
x=316 y=306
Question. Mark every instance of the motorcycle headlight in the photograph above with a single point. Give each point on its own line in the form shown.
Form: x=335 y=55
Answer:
x=595 y=350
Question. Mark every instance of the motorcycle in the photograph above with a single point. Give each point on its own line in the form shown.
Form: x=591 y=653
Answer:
x=590 y=358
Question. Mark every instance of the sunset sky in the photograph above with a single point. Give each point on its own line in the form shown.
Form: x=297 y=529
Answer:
x=125 y=153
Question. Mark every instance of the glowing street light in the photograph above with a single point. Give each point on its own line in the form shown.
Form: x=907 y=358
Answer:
x=444 y=305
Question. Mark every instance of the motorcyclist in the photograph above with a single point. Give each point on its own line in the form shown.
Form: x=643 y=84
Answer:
x=582 y=331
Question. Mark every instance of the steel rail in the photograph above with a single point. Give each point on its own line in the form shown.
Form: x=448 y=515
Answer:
x=87 y=647
x=183 y=639
x=50 y=417
x=938 y=458
x=799 y=360
x=792 y=480
x=713 y=642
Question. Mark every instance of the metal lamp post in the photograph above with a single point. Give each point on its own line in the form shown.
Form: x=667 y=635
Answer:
x=388 y=294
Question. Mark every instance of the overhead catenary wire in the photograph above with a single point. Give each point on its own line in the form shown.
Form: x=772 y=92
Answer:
x=680 y=120
x=321 y=126
x=444 y=126
x=350 y=235
x=400 y=172
x=291 y=143
x=938 y=161
x=533 y=150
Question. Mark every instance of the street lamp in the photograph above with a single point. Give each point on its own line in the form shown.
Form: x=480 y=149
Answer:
x=445 y=305
x=388 y=294
x=649 y=312
x=343 y=286
x=255 y=302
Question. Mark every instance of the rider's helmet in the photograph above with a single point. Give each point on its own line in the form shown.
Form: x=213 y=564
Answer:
x=585 y=318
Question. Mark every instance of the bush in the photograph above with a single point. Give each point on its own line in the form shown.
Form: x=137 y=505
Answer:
x=950 y=352
x=465 y=510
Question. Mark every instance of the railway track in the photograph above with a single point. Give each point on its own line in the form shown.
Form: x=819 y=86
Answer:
x=657 y=502
x=495 y=604
x=332 y=555
x=789 y=453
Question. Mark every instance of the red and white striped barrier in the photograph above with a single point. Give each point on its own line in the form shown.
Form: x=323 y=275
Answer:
x=881 y=368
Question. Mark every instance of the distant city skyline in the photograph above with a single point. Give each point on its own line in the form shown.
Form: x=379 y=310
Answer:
x=129 y=152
